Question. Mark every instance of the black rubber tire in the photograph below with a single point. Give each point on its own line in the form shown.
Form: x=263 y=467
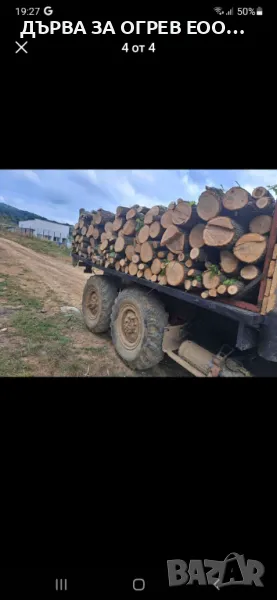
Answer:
x=152 y=321
x=106 y=292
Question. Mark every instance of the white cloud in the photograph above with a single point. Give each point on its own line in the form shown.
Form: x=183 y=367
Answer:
x=31 y=175
x=143 y=175
x=2 y=199
x=125 y=188
x=191 y=188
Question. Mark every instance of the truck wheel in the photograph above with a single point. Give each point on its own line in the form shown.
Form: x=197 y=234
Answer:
x=98 y=298
x=137 y=326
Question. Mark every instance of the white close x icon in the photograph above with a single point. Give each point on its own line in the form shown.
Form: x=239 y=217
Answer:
x=21 y=47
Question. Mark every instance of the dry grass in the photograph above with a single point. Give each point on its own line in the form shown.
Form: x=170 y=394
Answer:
x=38 y=245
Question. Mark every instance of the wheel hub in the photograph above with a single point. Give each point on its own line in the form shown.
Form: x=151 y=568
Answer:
x=93 y=304
x=129 y=326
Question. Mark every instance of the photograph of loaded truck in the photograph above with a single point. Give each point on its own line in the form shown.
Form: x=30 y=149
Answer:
x=138 y=273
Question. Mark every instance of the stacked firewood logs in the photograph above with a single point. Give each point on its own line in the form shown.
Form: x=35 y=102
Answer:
x=214 y=248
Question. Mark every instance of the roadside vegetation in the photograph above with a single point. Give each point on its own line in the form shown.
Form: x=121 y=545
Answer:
x=38 y=245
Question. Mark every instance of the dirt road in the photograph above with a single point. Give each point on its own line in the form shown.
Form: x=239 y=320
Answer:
x=55 y=281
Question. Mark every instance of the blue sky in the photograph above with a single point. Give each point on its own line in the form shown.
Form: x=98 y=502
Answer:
x=58 y=194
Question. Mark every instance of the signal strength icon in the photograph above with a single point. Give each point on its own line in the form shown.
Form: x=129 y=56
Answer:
x=230 y=12
x=219 y=10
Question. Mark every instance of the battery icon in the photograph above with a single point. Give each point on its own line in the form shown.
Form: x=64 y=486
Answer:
x=259 y=11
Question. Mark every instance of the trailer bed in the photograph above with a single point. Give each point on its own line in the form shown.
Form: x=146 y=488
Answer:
x=248 y=317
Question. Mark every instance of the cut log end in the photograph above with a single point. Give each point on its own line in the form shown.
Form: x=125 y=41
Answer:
x=249 y=272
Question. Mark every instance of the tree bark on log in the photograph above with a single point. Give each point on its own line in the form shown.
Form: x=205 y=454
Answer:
x=261 y=224
x=102 y=216
x=228 y=262
x=184 y=215
x=222 y=232
x=143 y=234
x=175 y=273
x=249 y=272
x=121 y=211
x=210 y=203
x=250 y=248
x=236 y=198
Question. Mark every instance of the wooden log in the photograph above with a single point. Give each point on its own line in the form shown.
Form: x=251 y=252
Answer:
x=212 y=293
x=122 y=242
x=274 y=255
x=130 y=251
x=147 y=252
x=143 y=234
x=265 y=203
x=162 y=279
x=84 y=230
x=172 y=205
x=108 y=226
x=210 y=203
x=236 y=198
x=261 y=224
x=181 y=257
x=118 y=223
x=197 y=284
x=177 y=245
x=161 y=254
x=140 y=274
x=166 y=219
x=264 y=305
x=233 y=289
x=222 y=289
x=155 y=230
x=149 y=217
x=143 y=209
x=228 y=262
x=102 y=216
x=205 y=294
x=175 y=273
x=271 y=268
x=171 y=233
x=272 y=295
x=121 y=211
x=154 y=278
x=131 y=214
x=188 y=284
x=135 y=258
x=126 y=269
x=211 y=281
x=267 y=287
x=250 y=248
x=170 y=256
x=189 y=263
x=111 y=236
x=184 y=214
x=196 y=239
x=133 y=269
x=194 y=273
x=148 y=274
x=142 y=266
x=198 y=254
x=129 y=227
x=261 y=192
x=97 y=233
x=123 y=262
x=137 y=247
x=222 y=232
x=103 y=236
x=157 y=266
x=249 y=272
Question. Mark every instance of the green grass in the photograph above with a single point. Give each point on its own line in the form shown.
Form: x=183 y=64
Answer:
x=38 y=245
